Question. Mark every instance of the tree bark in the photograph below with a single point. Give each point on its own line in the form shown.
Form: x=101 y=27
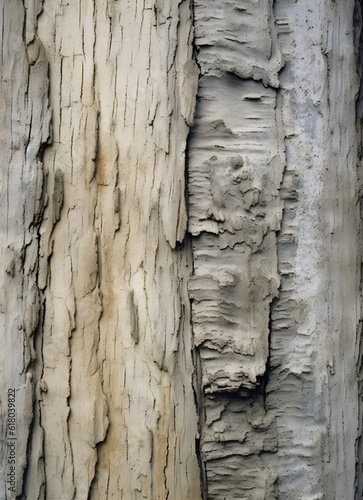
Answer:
x=180 y=249
x=100 y=351
x=274 y=210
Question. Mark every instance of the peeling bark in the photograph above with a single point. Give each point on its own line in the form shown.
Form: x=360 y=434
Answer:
x=180 y=249
x=276 y=298
x=98 y=318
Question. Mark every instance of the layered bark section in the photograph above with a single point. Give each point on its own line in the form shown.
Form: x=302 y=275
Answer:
x=236 y=168
x=25 y=131
x=103 y=294
x=273 y=213
x=107 y=408
x=315 y=323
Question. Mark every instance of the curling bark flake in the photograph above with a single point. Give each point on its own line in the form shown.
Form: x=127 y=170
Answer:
x=106 y=301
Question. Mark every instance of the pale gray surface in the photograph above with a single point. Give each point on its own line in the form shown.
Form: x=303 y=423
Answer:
x=276 y=298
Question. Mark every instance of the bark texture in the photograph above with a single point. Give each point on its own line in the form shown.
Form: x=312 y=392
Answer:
x=180 y=249
x=274 y=213
x=95 y=313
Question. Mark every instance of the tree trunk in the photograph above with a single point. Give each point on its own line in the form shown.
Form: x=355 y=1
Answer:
x=180 y=250
x=274 y=211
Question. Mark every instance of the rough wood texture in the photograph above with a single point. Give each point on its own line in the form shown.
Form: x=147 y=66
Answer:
x=128 y=296
x=24 y=132
x=276 y=301
x=95 y=311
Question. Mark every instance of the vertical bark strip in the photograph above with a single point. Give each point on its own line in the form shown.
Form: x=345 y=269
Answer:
x=103 y=271
x=236 y=167
x=24 y=132
x=276 y=247
x=315 y=322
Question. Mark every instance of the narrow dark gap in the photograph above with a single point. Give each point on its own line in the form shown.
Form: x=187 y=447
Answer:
x=199 y=402
x=197 y=376
x=266 y=376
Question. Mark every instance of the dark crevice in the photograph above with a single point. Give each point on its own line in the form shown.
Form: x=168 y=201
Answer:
x=200 y=405
x=188 y=242
x=266 y=377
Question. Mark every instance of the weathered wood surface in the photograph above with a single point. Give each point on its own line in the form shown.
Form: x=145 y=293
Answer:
x=274 y=185
x=96 y=335
x=181 y=283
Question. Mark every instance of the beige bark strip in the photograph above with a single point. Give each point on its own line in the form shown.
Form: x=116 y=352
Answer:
x=24 y=132
x=118 y=416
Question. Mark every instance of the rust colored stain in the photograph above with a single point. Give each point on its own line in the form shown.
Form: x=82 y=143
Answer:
x=101 y=168
x=162 y=441
x=107 y=282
